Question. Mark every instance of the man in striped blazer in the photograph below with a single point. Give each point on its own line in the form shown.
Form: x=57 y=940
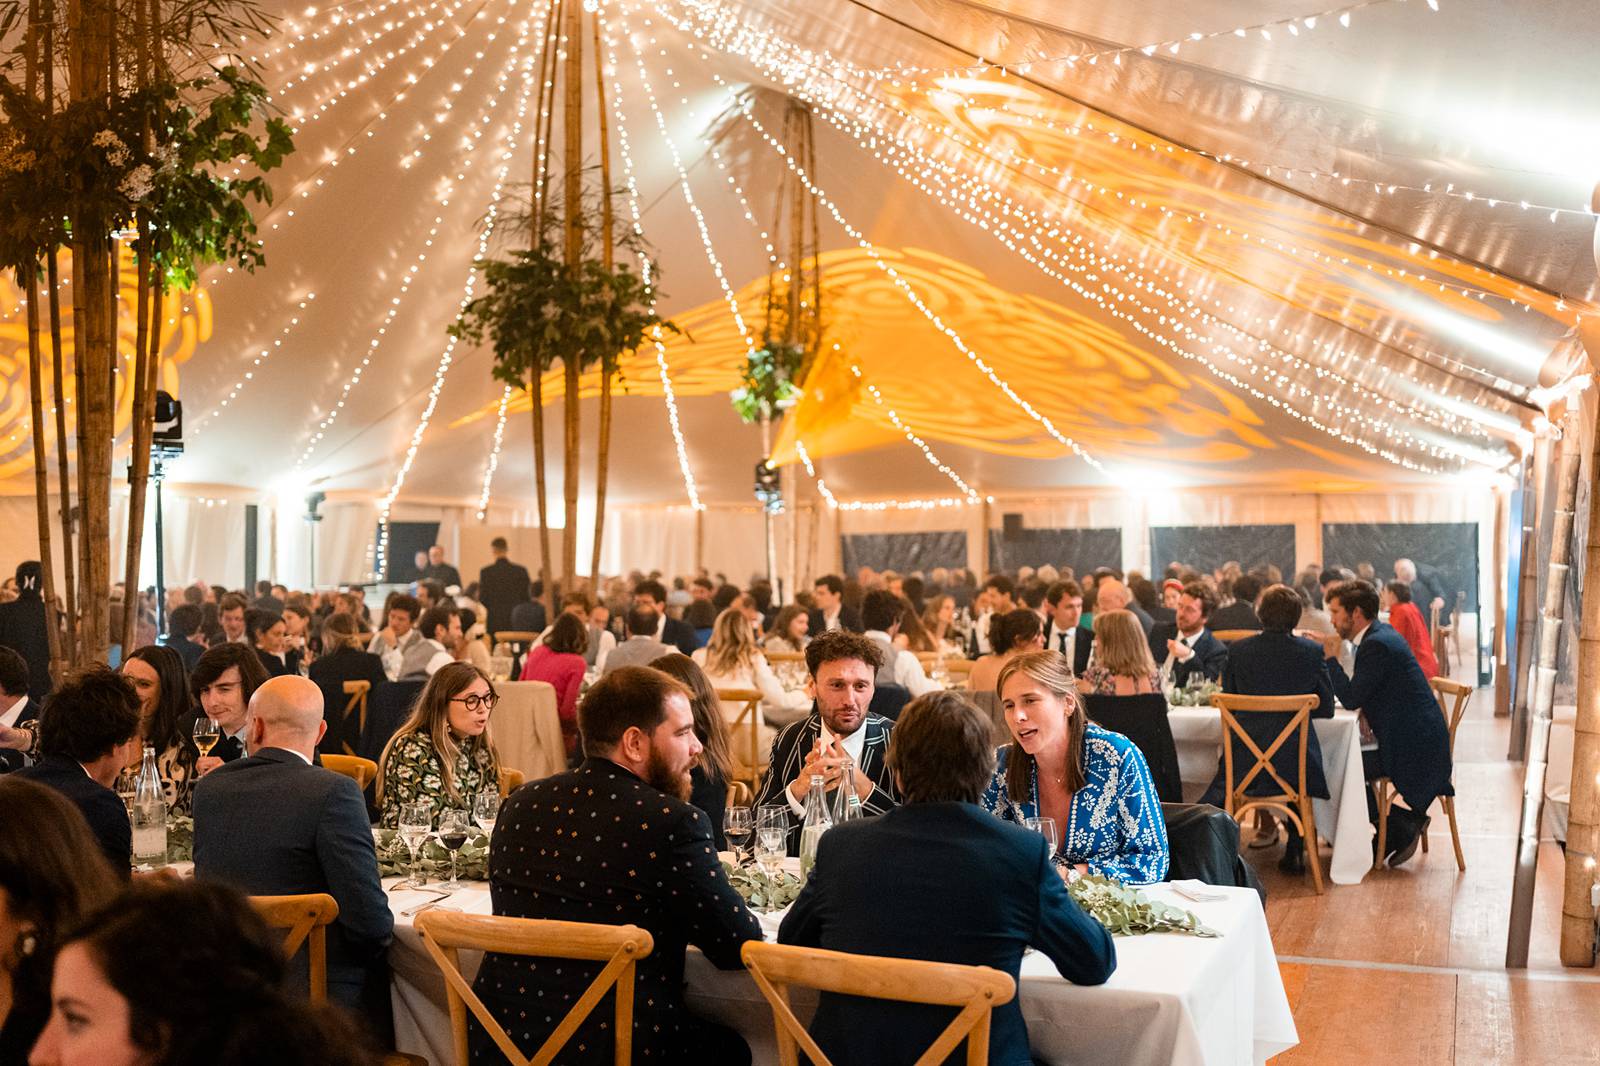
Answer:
x=839 y=732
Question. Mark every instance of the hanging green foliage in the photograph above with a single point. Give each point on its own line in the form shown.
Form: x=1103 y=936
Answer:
x=769 y=381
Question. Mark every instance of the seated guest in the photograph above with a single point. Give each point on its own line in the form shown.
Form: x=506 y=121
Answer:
x=633 y=850
x=431 y=594
x=641 y=647
x=558 y=661
x=266 y=632
x=1112 y=595
x=1277 y=663
x=441 y=632
x=1010 y=634
x=1064 y=630
x=272 y=824
x=183 y=625
x=52 y=872
x=831 y=611
x=398 y=643
x=1121 y=664
x=839 y=732
x=181 y=974
x=222 y=682
x=18 y=713
x=1148 y=597
x=1407 y=621
x=231 y=609
x=1241 y=613
x=733 y=660
x=938 y=618
x=470 y=647
x=23 y=628
x=1399 y=706
x=601 y=639
x=652 y=595
x=998 y=878
x=708 y=781
x=529 y=616
x=1188 y=643
x=1093 y=782
x=881 y=614
x=443 y=755
x=342 y=660
x=702 y=617
x=914 y=636
x=88 y=731
x=791 y=630
x=165 y=710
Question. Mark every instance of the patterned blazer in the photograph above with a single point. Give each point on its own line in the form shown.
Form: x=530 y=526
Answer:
x=792 y=746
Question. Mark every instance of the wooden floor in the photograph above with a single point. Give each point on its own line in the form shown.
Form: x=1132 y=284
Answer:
x=1407 y=967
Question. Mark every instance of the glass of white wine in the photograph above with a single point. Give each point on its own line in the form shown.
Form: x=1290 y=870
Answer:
x=206 y=734
x=416 y=824
x=486 y=809
x=1045 y=827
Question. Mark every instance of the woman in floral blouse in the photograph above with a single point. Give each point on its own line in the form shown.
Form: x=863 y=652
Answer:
x=443 y=755
x=165 y=713
x=1094 y=783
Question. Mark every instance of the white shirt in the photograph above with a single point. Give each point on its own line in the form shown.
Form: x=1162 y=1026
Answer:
x=908 y=673
x=1069 y=646
x=830 y=621
x=852 y=745
x=1355 y=641
x=11 y=717
x=981 y=625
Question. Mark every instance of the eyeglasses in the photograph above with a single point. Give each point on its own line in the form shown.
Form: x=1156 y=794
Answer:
x=475 y=701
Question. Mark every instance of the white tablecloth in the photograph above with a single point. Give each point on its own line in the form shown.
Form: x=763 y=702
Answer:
x=1175 y=1000
x=1341 y=818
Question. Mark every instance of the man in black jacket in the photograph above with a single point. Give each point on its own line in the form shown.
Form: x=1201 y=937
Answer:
x=669 y=630
x=182 y=624
x=88 y=731
x=616 y=841
x=501 y=586
x=1241 y=613
x=1062 y=632
x=24 y=631
x=272 y=824
x=222 y=683
x=1188 y=642
x=831 y=611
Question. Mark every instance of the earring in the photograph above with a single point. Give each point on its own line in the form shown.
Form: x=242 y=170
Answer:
x=27 y=944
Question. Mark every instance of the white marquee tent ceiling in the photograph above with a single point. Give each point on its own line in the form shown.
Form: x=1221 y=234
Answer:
x=1104 y=236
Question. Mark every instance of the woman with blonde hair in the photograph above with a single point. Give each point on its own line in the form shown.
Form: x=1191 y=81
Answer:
x=443 y=755
x=1120 y=663
x=732 y=659
x=1092 y=783
x=939 y=618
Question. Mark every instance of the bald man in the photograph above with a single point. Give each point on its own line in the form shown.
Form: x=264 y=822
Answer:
x=273 y=824
x=1112 y=595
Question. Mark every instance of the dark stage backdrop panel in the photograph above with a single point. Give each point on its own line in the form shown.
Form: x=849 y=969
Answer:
x=903 y=552
x=1207 y=547
x=1451 y=548
x=406 y=539
x=1081 y=549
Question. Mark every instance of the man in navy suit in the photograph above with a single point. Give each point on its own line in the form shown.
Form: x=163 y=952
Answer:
x=1062 y=631
x=272 y=824
x=1399 y=706
x=669 y=630
x=88 y=731
x=1188 y=641
x=996 y=876
x=1277 y=663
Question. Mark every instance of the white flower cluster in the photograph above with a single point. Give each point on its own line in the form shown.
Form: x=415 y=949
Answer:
x=137 y=183
x=116 y=152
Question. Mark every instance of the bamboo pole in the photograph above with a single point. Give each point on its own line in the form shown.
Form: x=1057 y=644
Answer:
x=1536 y=490
x=1502 y=578
x=63 y=472
x=1543 y=695
x=1583 y=820
x=41 y=473
x=541 y=169
x=572 y=225
x=608 y=364
x=139 y=454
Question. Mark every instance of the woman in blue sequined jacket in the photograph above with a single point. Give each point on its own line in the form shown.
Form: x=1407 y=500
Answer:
x=1094 y=783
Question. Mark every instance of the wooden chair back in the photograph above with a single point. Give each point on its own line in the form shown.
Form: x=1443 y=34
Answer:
x=361 y=771
x=356 y=703
x=619 y=947
x=785 y=657
x=1452 y=697
x=977 y=990
x=745 y=731
x=739 y=794
x=1440 y=631
x=1228 y=636
x=510 y=780
x=305 y=920
x=1291 y=799
x=522 y=637
x=955 y=664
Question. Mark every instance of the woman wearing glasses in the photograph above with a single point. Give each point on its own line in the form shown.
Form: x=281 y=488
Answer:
x=443 y=756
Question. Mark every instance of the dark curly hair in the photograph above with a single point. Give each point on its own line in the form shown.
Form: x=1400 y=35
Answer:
x=842 y=644
x=93 y=711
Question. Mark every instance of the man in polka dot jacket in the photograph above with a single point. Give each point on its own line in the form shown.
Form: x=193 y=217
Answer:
x=616 y=842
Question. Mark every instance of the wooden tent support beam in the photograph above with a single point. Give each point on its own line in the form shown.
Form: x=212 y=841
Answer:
x=1543 y=695
x=1583 y=821
x=1535 y=485
x=1502 y=534
x=572 y=226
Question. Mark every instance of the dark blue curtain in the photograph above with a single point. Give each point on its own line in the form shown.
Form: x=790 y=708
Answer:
x=1445 y=552
x=1208 y=547
x=1081 y=549
x=903 y=552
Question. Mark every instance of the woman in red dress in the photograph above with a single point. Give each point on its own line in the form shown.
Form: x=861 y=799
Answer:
x=1405 y=617
x=559 y=661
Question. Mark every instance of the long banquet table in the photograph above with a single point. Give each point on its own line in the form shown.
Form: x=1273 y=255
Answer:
x=1341 y=818
x=1174 y=999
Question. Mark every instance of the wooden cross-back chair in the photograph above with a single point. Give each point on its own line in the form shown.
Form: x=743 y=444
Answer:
x=305 y=920
x=510 y=780
x=619 y=947
x=745 y=730
x=1440 y=631
x=361 y=771
x=977 y=990
x=1228 y=636
x=1291 y=800
x=356 y=704
x=1452 y=697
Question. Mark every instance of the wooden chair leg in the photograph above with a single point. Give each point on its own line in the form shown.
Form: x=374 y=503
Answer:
x=1308 y=834
x=1455 y=833
x=1380 y=789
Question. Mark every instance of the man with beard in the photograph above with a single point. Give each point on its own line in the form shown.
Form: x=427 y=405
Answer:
x=616 y=841
x=839 y=733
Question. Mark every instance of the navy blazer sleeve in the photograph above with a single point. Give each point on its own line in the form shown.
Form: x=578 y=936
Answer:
x=350 y=865
x=707 y=907
x=1079 y=946
x=1372 y=671
x=108 y=817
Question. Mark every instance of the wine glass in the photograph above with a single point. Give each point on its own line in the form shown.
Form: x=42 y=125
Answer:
x=206 y=734
x=772 y=837
x=737 y=826
x=1045 y=827
x=485 y=809
x=127 y=788
x=416 y=823
x=453 y=829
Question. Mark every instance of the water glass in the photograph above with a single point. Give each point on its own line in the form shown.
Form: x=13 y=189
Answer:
x=1045 y=827
x=485 y=809
x=416 y=825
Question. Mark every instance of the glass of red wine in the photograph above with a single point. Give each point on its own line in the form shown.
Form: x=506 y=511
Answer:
x=454 y=826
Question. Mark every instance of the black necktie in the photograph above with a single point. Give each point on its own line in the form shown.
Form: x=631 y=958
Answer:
x=1064 y=635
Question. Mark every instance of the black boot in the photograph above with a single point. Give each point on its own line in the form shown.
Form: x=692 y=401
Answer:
x=1294 y=856
x=1404 y=835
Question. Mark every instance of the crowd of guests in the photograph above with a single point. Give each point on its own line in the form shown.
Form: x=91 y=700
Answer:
x=640 y=812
